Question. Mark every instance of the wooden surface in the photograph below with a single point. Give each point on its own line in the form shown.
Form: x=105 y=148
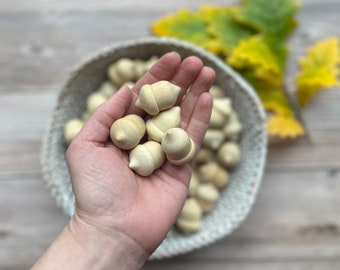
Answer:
x=295 y=222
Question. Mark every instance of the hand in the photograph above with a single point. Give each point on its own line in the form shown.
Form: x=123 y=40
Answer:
x=113 y=202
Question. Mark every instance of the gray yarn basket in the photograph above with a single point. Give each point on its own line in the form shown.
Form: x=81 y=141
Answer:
x=236 y=200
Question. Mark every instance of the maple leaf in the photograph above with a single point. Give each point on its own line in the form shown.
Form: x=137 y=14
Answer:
x=318 y=69
x=184 y=24
x=274 y=17
x=226 y=33
x=255 y=53
x=284 y=126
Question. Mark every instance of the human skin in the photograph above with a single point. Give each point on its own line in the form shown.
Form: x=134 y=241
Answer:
x=120 y=217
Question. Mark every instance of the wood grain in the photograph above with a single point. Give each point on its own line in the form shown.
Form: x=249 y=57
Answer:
x=295 y=222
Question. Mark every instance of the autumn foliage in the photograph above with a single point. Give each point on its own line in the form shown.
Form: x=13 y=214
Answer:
x=252 y=38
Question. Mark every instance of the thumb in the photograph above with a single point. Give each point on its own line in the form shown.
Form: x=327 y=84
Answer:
x=97 y=127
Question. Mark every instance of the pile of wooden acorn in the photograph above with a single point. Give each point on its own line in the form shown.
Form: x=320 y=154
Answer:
x=218 y=155
x=165 y=138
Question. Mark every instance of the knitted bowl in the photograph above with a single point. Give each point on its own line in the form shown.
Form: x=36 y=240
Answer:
x=236 y=200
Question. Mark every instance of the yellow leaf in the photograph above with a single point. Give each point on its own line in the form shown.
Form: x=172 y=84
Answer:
x=284 y=126
x=319 y=69
x=185 y=25
x=273 y=98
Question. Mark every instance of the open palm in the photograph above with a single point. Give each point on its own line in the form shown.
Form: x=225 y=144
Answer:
x=109 y=195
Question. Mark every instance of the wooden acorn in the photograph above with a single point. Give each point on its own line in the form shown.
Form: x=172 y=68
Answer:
x=178 y=146
x=150 y=62
x=127 y=132
x=189 y=220
x=121 y=71
x=233 y=128
x=229 y=154
x=213 y=138
x=194 y=183
x=107 y=88
x=207 y=196
x=71 y=129
x=216 y=91
x=160 y=123
x=94 y=100
x=142 y=66
x=204 y=155
x=220 y=113
x=213 y=172
x=139 y=68
x=147 y=157
x=157 y=97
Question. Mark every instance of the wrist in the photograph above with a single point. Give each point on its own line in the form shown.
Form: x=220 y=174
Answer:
x=106 y=249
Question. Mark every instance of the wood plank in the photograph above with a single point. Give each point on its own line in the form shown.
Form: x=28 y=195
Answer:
x=17 y=5
x=295 y=218
x=52 y=42
x=208 y=265
x=17 y=158
x=25 y=116
x=29 y=220
x=295 y=222
x=22 y=133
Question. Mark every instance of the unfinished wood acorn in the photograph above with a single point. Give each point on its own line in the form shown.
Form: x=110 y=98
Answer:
x=94 y=100
x=165 y=120
x=127 y=132
x=207 y=196
x=121 y=71
x=204 y=155
x=216 y=92
x=147 y=157
x=189 y=220
x=213 y=172
x=220 y=113
x=157 y=97
x=107 y=89
x=71 y=129
x=233 y=128
x=178 y=146
x=194 y=183
x=229 y=154
x=213 y=138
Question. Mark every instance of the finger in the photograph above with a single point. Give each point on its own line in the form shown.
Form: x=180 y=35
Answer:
x=97 y=128
x=199 y=122
x=196 y=129
x=202 y=84
x=186 y=74
x=183 y=75
x=164 y=69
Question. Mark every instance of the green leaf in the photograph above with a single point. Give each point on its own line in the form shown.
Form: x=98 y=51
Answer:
x=256 y=54
x=318 y=69
x=184 y=24
x=226 y=33
x=271 y=17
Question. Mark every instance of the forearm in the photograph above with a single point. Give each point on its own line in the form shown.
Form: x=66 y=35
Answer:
x=82 y=247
